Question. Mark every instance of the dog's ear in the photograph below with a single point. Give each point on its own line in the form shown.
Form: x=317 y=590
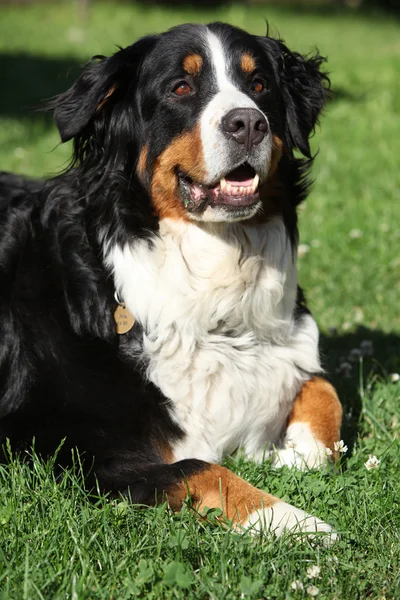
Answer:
x=304 y=88
x=76 y=107
x=97 y=86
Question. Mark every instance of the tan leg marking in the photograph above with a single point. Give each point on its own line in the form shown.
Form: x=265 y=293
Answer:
x=318 y=405
x=218 y=487
x=244 y=505
x=313 y=426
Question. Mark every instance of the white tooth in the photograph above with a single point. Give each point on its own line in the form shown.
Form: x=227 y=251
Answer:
x=223 y=184
x=256 y=181
x=229 y=188
x=242 y=191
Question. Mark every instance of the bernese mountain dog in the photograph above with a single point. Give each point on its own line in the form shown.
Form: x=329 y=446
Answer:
x=150 y=314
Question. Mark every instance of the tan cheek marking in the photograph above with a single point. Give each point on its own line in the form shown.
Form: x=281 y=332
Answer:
x=186 y=154
x=217 y=487
x=247 y=63
x=193 y=64
x=106 y=97
x=318 y=405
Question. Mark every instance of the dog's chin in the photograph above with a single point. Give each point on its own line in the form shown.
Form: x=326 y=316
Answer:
x=234 y=198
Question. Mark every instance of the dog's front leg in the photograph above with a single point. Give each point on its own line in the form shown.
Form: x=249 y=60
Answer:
x=210 y=486
x=313 y=427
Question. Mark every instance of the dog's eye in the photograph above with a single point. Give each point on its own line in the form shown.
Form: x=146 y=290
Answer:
x=257 y=86
x=182 y=89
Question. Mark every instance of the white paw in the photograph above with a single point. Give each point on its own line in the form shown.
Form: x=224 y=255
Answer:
x=300 y=456
x=301 y=449
x=281 y=517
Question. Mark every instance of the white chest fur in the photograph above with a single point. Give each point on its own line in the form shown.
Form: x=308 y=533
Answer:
x=216 y=303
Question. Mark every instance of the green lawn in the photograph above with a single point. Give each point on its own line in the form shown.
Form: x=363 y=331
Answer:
x=55 y=542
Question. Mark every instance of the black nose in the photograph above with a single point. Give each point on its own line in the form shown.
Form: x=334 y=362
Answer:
x=246 y=126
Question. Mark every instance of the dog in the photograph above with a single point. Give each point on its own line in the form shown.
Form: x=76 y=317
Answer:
x=150 y=313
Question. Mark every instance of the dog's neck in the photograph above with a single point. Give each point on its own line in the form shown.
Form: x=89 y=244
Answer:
x=212 y=277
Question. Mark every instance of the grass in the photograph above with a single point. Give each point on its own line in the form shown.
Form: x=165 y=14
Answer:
x=55 y=542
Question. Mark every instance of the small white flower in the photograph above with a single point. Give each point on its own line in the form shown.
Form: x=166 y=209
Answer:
x=394 y=377
x=303 y=249
x=340 y=446
x=355 y=234
x=312 y=590
x=328 y=452
x=313 y=572
x=372 y=463
x=296 y=585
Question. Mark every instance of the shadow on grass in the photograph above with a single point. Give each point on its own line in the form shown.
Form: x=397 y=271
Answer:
x=28 y=81
x=351 y=360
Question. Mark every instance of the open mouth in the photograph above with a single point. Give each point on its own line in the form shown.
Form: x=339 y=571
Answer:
x=237 y=189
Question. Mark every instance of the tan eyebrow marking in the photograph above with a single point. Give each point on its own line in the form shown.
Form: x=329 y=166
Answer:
x=193 y=64
x=247 y=63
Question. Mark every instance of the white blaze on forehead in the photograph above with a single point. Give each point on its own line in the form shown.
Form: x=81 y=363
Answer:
x=218 y=59
x=231 y=95
x=216 y=146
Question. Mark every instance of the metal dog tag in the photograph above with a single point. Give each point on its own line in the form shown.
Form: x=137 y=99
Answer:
x=124 y=319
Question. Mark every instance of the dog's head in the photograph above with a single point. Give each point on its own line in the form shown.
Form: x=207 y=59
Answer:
x=200 y=115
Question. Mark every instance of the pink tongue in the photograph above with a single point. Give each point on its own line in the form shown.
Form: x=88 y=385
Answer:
x=243 y=182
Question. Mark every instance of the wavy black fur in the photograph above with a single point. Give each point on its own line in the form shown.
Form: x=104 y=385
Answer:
x=64 y=373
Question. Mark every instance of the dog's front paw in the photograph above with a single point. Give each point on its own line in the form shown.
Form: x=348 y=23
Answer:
x=300 y=456
x=282 y=517
x=301 y=449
